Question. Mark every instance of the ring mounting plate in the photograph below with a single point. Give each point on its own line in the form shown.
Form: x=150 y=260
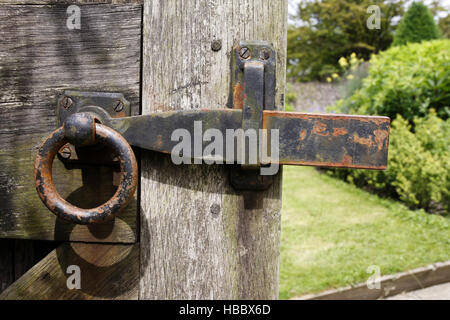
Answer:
x=104 y=105
x=72 y=101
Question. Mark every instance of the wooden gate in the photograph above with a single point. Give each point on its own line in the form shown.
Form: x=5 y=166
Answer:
x=188 y=233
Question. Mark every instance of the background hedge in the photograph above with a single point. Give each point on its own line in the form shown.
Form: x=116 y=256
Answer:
x=417 y=25
x=410 y=84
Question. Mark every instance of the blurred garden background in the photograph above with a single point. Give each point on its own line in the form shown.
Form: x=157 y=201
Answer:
x=369 y=57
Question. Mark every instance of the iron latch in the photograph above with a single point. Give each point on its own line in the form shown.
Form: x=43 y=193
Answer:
x=251 y=135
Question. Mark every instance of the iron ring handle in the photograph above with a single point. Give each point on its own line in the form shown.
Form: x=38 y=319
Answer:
x=81 y=129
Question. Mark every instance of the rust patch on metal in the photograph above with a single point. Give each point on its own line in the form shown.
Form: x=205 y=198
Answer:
x=238 y=96
x=343 y=141
x=302 y=135
x=380 y=138
x=329 y=164
x=300 y=115
x=121 y=114
x=347 y=160
x=339 y=132
x=159 y=140
x=364 y=141
x=320 y=128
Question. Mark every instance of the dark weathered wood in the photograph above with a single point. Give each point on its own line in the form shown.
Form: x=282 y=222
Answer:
x=107 y=272
x=18 y=256
x=6 y=263
x=27 y=253
x=23 y=257
x=62 y=2
x=40 y=58
x=200 y=239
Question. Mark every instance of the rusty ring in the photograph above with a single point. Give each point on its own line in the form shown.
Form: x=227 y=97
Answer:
x=63 y=209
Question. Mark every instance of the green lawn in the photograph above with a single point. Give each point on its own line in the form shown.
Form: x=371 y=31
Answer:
x=332 y=232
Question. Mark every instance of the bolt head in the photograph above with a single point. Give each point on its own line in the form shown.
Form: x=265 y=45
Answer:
x=66 y=102
x=65 y=152
x=216 y=45
x=245 y=53
x=215 y=208
x=118 y=107
x=265 y=54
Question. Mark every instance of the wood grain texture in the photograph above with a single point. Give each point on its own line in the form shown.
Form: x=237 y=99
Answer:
x=200 y=239
x=39 y=59
x=6 y=263
x=68 y=2
x=106 y=272
x=18 y=256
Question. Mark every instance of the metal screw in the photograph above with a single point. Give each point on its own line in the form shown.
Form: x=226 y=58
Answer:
x=216 y=45
x=215 y=209
x=66 y=102
x=265 y=54
x=65 y=153
x=118 y=106
x=245 y=53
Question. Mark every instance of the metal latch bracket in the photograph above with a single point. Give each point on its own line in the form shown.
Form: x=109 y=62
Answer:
x=254 y=89
x=105 y=105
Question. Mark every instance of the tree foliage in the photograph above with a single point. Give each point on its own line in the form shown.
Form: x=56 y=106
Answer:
x=418 y=172
x=410 y=84
x=444 y=25
x=417 y=25
x=330 y=29
x=407 y=80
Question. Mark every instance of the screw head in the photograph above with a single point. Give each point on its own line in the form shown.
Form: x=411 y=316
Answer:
x=216 y=45
x=264 y=54
x=66 y=102
x=244 y=53
x=118 y=107
x=215 y=208
x=65 y=152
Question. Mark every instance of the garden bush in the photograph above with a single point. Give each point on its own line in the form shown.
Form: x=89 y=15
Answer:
x=410 y=84
x=407 y=80
x=418 y=172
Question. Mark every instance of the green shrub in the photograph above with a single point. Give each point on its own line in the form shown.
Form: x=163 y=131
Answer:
x=444 y=26
x=407 y=80
x=417 y=25
x=418 y=172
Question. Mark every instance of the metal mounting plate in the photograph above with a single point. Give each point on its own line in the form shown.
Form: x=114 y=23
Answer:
x=105 y=105
x=253 y=83
x=72 y=101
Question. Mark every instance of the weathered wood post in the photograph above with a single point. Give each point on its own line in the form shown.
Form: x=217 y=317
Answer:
x=201 y=239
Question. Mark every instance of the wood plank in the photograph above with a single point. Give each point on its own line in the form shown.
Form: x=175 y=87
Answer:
x=23 y=257
x=27 y=253
x=39 y=59
x=390 y=285
x=106 y=272
x=69 y=2
x=200 y=239
x=18 y=256
x=6 y=263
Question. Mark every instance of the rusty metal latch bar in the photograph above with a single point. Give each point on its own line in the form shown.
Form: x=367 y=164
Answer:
x=328 y=140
